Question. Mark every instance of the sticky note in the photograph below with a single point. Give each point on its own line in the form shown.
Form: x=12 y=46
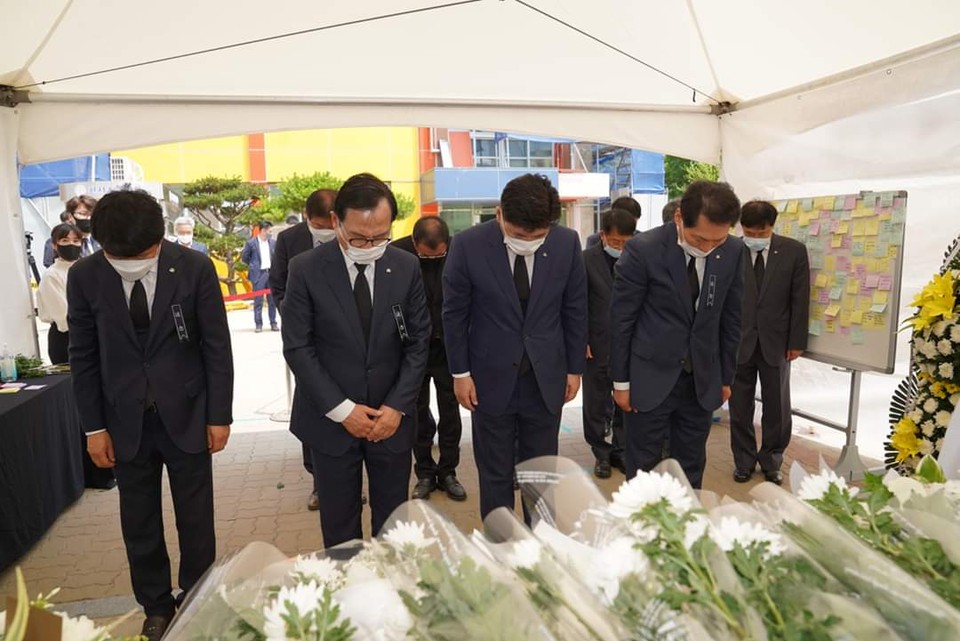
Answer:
x=816 y=260
x=872 y=227
x=882 y=249
x=34 y=387
x=884 y=214
x=830 y=263
x=836 y=293
x=823 y=296
x=857 y=336
x=831 y=326
x=850 y=202
x=822 y=280
x=781 y=206
x=806 y=204
x=870 y=247
x=792 y=206
x=815 y=328
x=845 y=318
x=843 y=264
x=872 y=281
x=844 y=331
x=843 y=228
x=836 y=242
x=853 y=286
x=9 y=390
x=832 y=310
x=11 y=385
x=892 y=251
x=878 y=308
x=886 y=199
x=857 y=248
x=885 y=283
x=859 y=228
x=881 y=297
x=815 y=228
x=856 y=317
x=838 y=202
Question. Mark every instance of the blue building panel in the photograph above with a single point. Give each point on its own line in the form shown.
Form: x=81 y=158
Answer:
x=473 y=184
x=44 y=179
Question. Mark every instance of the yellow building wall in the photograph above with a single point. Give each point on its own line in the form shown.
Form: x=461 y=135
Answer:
x=183 y=162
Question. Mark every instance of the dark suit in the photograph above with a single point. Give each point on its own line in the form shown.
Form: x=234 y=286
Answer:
x=598 y=408
x=450 y=428
x=519 y=362
x=676 y=359
x=155 y=391
x=290 y=242
x=48 y=256
x=775 y=320
x=260 y=278
x=324 y=346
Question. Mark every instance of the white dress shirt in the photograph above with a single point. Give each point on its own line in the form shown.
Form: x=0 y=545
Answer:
x=264 y=253
x=766 y=256
x=340 y=413
x=52 y=294
x=511 y=259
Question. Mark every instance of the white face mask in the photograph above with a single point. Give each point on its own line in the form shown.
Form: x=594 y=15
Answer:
x=756 y=244
x=132 y=270
x=321 y=236
x=364 y=255
x=689 y=249
x=521 y=247
x=185 y=239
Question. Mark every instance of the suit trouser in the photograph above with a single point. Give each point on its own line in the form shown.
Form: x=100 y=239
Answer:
x=263 y=282
x=450 y=428
x=777 y=422
x=339 y=484
x=597 y=402
x=141 y=515
x=526 y=430
x=681 y=419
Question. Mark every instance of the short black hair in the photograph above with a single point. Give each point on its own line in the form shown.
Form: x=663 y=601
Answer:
x=63 y=230
x=530 y=202
x=628 y=203
x=363 y=191
x=87 y=201
x=715 y=200
x=431 y=231
x=65 y=216
x=670 y=209
x=618 y=221
x=263 y=224
x=127 y=222
x=758 y=213
x=320 y=203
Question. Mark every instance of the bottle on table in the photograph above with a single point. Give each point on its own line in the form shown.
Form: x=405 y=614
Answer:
x=8 y=366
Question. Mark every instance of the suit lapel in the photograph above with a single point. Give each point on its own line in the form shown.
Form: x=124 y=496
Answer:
x=677 y=267
x=167 y=279
x=383 y=281
x=542 y=266
x=773 y=262
x=116 y=298
x=500 y=266
x=338 y=279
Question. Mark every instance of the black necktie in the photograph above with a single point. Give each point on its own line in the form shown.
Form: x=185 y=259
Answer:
x=139 y=313
x=521 y=279
x=758 y=269
x=694 y=279
x=361 y=293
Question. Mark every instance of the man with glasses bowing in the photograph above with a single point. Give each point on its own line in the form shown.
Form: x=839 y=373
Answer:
x=355 y=334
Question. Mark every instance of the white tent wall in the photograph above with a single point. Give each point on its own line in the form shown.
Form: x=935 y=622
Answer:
x=17 y=329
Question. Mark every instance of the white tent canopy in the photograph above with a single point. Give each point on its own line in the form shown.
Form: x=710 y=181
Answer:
x=793 y=98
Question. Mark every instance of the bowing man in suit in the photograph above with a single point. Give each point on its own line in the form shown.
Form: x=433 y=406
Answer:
x=515 y=327
x=776 y=312
x=258 y=255
x=675 y=323
x=355 y=334
x=626 y=203
x=302 y=237
x=153 y=376
x=313 y=232
x=616 y=228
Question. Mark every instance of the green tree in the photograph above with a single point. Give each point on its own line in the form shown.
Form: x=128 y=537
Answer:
x=406 y=205
x=230 y=202
x=680 y=172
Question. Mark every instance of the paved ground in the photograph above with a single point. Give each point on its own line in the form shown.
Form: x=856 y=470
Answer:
x=261 y=491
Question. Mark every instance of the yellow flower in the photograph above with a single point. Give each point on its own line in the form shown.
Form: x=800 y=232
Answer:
x=905 y=440
x=936 y=300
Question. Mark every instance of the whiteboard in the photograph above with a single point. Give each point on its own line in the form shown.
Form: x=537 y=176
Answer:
x=855 y=244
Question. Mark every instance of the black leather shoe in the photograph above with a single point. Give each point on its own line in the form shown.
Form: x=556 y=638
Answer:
x=602 y=469
x=313 y=503
x=774 y=477
x=423 y=488
x=274 y=328
x=616 y=462
x=742 y=476
x=452 y=486
x=154 y=627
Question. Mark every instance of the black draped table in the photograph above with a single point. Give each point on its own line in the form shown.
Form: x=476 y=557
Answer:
x=41 y=462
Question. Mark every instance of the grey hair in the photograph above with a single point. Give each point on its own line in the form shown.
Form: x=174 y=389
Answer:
x=184 y=220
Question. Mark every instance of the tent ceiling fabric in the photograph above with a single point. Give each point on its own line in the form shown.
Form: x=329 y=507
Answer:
x=467 y=65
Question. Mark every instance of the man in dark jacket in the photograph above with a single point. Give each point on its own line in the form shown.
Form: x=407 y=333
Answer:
x=429 y=242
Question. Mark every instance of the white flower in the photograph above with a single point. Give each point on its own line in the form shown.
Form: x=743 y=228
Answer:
x=926 y=447
x=649 y=488
x=945 y=347
x=323 y=571
x=305 y=597
x=955 y=334
x=929 y=406
x=903 y=487
x=928 y=428
x=80 y=629
x=815 y=486
x=695 y=529
x=615 y=561
x=939 y=444
x=916 y=415
x=942 y=418
x=360 y=569
x=928 y=349
x=408 y=536
x=946 y=371
x=525 y=554
x=732 y=530
x=939 y=328
x=954 y=399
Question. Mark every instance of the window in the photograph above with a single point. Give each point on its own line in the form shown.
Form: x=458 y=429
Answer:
x=484 y=152
x=529 y=153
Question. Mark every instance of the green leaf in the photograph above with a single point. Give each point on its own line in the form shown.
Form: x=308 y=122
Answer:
x=929 y=471
x=17 y=624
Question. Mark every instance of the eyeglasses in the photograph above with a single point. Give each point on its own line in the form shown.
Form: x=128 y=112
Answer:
x=360 y=243
x=437 y=257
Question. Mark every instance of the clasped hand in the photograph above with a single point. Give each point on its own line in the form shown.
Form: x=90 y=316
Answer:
x=371 y=424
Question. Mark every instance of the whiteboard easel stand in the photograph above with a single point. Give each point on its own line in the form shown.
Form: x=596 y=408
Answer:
x=283 y=416
x=849 y=465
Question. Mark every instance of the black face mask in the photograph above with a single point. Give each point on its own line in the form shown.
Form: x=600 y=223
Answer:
x=69 y=252
x=83 y=224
